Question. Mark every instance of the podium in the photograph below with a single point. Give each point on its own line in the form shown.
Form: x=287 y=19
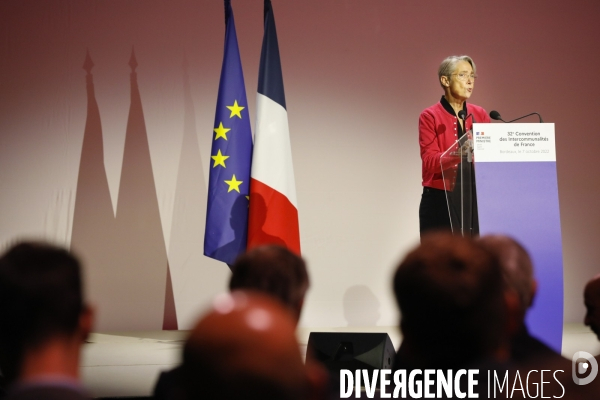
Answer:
x=517 y=195
x=459 y=185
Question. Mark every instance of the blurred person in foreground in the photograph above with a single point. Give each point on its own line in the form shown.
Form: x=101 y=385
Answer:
x=275 y=271
x=245 y=348
x=591 y=299
x=271 y=270
x=2 y=385
x=439 y=127
x=520 y=289
x=44 y=322
x=453 y=314
x=528 y=353
x=450 y=294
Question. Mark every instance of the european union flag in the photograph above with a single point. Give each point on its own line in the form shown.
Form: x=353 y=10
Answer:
x=231 y=157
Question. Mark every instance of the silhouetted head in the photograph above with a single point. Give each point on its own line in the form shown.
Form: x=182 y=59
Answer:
x=517 y=269
x=450 y=293
x=591 y=298
x=245 y=348
x=272 y=270
x=238 y=219
x=41 y=299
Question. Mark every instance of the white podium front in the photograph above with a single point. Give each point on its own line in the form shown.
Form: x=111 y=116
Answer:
x=517 y=195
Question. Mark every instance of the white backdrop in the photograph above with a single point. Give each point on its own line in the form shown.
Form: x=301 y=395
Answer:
x=356 y=73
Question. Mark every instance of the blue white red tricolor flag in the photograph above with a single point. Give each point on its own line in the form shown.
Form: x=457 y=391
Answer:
x=231 y=157
x=273 y=205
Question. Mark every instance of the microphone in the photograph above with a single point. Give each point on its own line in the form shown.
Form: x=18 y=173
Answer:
x=461 y=115
x=467 y=144
x=496 y=115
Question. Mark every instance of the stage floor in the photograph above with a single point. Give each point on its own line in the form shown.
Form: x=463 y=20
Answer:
x=126 y=364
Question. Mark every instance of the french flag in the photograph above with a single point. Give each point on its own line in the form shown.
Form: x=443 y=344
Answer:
x=273 y=215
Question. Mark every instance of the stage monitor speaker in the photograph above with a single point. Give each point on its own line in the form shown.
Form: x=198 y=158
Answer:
x=350 y=350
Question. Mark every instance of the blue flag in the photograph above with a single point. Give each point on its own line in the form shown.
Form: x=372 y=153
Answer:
x=231 y=157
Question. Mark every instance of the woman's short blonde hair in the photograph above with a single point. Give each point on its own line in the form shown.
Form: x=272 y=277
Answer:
x=448 y=66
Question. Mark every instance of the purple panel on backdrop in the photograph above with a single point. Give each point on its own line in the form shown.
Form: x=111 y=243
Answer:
x=520 y=199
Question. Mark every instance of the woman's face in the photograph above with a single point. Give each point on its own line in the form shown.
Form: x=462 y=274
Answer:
x=462 y=81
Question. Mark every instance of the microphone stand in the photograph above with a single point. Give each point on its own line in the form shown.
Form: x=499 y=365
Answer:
x=528 y=115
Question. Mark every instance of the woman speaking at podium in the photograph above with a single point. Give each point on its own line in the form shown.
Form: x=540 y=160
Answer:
x=439 y=127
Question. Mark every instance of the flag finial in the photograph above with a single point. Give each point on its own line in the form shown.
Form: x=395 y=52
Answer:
x=227 y=4
x=267 y=8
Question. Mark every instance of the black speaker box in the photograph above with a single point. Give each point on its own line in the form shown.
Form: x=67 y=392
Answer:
x=349 y=350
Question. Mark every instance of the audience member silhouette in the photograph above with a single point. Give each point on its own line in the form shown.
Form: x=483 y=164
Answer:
x=245 y=348
x=44 y=322
x=2 y=385
x=527 y=352
x=591 y=298
x=450 y=294
x=520 y=290
x=275 y=271
x=272 y=270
